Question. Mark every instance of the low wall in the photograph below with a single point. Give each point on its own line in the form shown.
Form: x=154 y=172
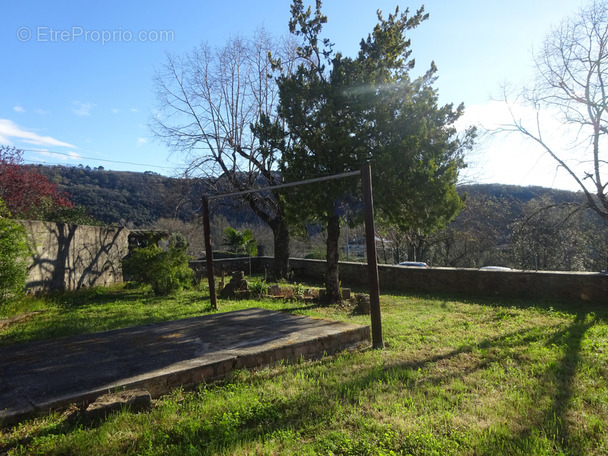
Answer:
x=562 y=286
x=68 y=257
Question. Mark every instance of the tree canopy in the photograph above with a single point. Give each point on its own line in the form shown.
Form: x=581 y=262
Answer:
x=209 y=99
x=341 y=112
x=26 y=193
x=240 y=241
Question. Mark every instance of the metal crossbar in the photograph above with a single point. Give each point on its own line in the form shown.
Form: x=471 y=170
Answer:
x=288 y=184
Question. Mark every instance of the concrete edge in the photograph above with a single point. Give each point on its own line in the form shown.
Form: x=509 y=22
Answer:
x=160 y=384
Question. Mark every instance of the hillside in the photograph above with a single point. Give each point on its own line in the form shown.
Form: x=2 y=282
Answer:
x=140 y=199
x=135 y=199
x=519 y=227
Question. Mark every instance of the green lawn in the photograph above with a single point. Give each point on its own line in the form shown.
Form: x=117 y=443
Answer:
x=458 y=377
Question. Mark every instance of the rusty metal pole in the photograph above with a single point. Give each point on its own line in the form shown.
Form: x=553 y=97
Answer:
x=209 y=253
x=372 y=261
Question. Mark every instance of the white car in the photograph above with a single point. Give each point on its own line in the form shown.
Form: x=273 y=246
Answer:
x=415 y=264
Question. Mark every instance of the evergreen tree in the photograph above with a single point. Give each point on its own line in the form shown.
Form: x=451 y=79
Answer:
x=342 y=112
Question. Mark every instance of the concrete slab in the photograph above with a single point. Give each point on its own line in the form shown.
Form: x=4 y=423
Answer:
x=40 y=376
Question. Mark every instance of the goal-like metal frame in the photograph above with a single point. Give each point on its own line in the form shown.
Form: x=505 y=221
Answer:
x=370 y=240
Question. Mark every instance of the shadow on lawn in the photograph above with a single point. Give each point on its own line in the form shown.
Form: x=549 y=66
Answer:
x=315 y=407
x=313 y=410
x=560 y=377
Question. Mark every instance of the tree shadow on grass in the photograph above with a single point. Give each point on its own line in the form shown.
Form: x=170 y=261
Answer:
x=312 y=408
x=560 y=378
x=557 y=380
x=306 y=411
x=551 y=305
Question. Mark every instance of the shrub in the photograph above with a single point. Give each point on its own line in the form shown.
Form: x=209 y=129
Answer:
x=258 y=288
x=13 y=256
x=165 y=269
x=240 y=241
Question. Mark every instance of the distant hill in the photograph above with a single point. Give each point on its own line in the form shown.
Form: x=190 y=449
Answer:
x=140 y=199
x=136 y=199
x=522 y=194
x=508 y=225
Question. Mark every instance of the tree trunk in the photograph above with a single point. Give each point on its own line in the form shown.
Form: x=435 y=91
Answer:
x=275 y=219
x=280 y=232
x=332 y=280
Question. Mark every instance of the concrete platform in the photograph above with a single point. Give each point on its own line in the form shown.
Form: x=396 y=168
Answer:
x=45 y=375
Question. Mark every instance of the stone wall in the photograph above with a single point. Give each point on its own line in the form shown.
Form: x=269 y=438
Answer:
x=562 y=286
x=68 y=257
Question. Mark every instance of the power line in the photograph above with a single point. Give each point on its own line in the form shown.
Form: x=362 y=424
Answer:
x=98 y=159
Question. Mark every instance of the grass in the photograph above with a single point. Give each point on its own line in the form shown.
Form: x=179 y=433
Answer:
x=458 y=377
x=97 y=309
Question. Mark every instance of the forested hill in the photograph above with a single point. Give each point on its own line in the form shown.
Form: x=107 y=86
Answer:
x=136 y=200
x=521 y=194
x=113 y=197
x=139 y=199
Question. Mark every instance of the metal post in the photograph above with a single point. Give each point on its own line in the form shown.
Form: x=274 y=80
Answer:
x=209 y=253
x=372 y=261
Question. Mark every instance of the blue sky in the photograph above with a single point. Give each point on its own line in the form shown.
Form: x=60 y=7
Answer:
x=76 y=85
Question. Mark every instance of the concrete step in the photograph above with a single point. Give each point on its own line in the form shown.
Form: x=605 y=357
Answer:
x=41 y=376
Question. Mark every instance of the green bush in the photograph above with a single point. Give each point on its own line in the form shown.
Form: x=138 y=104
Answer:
x=240 y=241
x=258 y=288
x=165 y=269
x=13 y=257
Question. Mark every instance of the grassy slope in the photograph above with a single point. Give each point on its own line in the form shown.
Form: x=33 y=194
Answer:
x=456 y=377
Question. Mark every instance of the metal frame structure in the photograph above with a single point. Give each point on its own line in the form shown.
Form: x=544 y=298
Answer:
x=372 y=261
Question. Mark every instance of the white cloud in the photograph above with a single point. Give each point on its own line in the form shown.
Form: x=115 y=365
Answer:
x=83 y=109
x=21 y=110
x=69 y=155
x=141 y=141
x=10 y=130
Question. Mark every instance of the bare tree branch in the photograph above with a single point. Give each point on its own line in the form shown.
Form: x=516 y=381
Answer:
x=208 y=102
x=572 y=70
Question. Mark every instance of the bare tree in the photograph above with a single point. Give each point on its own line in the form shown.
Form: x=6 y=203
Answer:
x=551 y=236
x=571 y=84
x=208 y=102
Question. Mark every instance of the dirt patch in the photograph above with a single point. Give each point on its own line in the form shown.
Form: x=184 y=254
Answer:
x=293 y=293
x=6 y=322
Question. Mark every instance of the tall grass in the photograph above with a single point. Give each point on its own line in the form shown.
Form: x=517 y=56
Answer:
x=458 y=377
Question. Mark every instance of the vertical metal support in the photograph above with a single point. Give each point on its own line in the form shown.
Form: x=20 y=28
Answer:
x=209 y=253
x=372 y=261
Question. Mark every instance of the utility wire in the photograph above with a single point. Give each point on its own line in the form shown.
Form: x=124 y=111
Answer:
x=98 y=159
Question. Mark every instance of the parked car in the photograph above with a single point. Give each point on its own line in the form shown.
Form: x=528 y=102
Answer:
x=495 y=268
x=415 y=264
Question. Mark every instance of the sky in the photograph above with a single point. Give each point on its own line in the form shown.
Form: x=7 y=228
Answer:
x=76 y=86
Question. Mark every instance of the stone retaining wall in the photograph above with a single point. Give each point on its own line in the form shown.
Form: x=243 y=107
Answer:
x=562 y=286
x=68 y=257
